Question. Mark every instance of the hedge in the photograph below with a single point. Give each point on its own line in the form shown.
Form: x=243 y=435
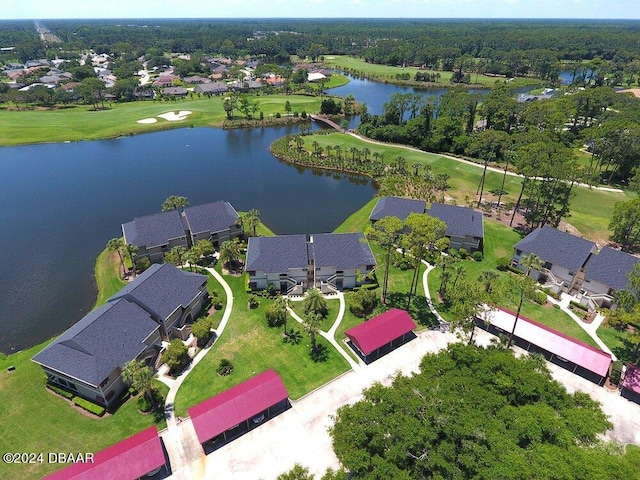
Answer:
x=60 y=391
x=89 y=406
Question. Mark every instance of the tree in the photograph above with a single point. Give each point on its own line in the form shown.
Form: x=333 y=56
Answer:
x=385 y=232
x=116 y=245
x=229 y=253
x=488 y=279
x=192 y=256
x=531 y=262
x=140 y=377
x=92 y=91
x=131 y=250
x=201 y=329
x=229 y=104
x=298 y=472
x=176 y=255
x=311 y=323
x=315 y=304
x=276 y=313
x=204 y=247
x=625 y=223
x=468 y=303
x=252 y=219
x=526 y=287
x=176 y=355
x=175 y=202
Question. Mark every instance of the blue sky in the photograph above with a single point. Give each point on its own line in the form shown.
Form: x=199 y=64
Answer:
x=596 y=9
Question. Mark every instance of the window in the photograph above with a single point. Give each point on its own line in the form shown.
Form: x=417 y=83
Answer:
x=72 y=386
x=110 y=395
x=104 y=382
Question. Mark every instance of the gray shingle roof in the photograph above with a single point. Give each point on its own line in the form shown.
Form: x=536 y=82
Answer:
x=154 y=230
x=343 y=251
x=611 y=267
x=277 y=254
x=211 y=217
x=461 y=221
x=559 y=248
x=109 y=337
x=396 y=207
x=162 y=288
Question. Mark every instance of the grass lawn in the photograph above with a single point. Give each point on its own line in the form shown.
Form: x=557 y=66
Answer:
x=107 y=274
x=388 y=72
x=81 y=123
x=253 y=347
x=618 y=342
x=34 y=420
x=590 y=209
x=333 y=306
x=499 y=241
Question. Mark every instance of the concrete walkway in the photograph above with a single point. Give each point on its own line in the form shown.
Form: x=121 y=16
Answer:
x=444 y=325
x=590 y=329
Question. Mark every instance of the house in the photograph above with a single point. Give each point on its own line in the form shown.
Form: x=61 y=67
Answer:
x=396 y=207
x=173 y=297
x=213 y=88
x=465 y=226
x=216 y=222
x=134 y=457
x=564 y=256
x=89 y=357
x=630 y=388
x=196 y=80
x=340 y=260
x=606 y=273
x=315 y=77
x=165 y=80
x=175 y=92
x=240 y=408
x=294 y=263
x=282 y=261
x=156 y=234
x=578 y=357
x=380 y=335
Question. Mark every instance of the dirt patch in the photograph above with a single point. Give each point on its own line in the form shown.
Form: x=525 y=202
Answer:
x=635 y=91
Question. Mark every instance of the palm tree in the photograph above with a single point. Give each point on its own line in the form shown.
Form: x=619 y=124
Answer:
x=526 y=287
x=252 y=220
x=229 y=253
x=315 y=303
x=532 y=262
x=175 y=202
x=365 y=153
x=175 y=256
x=311 y=324
x=458 y=273
x=115 y=245
x=192 y=256
x=487 y=278
x=445 y=262
x=143 y=382
x=131 y=369
x=385 y=232
x=131 y=250
x=416 y=168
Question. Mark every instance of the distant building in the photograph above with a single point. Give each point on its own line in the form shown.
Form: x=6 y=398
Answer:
x=396 y=207
x=465 y=226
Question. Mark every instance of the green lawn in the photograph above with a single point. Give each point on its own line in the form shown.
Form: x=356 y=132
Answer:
x=590 y=209
x=34 y=420
x=618 y=342
x=107 y=275
x=120 y=119
x=253 y=347
x=333 y=306
x=388 y=73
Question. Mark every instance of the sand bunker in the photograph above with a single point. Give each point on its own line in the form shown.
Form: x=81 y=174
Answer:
x=635 y=91
x=147 y=120
x=173 y=117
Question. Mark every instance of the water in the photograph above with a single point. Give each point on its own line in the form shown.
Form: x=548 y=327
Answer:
x=63 y=202
x=566 y=76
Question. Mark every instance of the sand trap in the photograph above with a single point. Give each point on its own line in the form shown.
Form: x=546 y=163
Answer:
x=147 y=120
x=173 y=117
x=635 y=91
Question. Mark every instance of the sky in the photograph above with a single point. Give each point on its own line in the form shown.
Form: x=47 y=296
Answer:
x=50 y=9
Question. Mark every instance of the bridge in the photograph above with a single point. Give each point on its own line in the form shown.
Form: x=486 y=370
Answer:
x=328 y=122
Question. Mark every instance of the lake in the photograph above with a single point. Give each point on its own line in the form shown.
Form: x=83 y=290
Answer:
x=63 y=202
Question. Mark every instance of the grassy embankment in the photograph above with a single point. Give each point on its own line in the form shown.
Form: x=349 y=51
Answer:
x=590 y=209
x=20 y=127
x=387 y=73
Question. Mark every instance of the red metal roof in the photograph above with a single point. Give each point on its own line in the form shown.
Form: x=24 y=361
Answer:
x=131 y=458
x=632 y=379
x=558 y=343
x=239 y=403
x=380 y=330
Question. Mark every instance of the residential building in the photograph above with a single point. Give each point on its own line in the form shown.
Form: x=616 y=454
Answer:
x=606 y=273
x=465 y=226
x=212 y=88
x=216 y=222
x=396 y=207
x=630 y=388
x=294 y=263
x=89 y=357
x=175 y=92
x=563 y=255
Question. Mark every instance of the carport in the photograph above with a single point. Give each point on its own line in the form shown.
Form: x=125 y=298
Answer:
x=569 y=353
x=132 y=458
x=378 y=336
x=236 y=410
x=631 y=384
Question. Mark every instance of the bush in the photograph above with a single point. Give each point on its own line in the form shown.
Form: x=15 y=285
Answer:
x=503 y=263
x=201 y=329
x=253 y=302
x=225 y=367
x=540 y=297
x=144 y=405
x=616 y=372
x=477 y=256
x=276 y=315
x=89 y=406
x=463 y=252
x=143 y=264
x=176 y=355
x=60 y=391
x=362 y=302
x=579 y=305
x=278 y=115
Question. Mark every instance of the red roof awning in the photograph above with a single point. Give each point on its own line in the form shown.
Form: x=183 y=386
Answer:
x=553 y=341
x=380 y=330
x=231 y=407
x=131 y=458
x=632 y=379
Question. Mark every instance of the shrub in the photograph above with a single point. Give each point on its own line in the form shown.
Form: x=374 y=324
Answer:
x=225 y=367
x=144 y=405
x=304 y=114
x=477 y=256
x=276 y=315
x=278 y=115
x=60 y=391
x=362 y=302
x=143 y=264
x=201 y=329
x=579 y=305
x=253 y=302
x=540 y=297
x=616 y=372
x=556 y=306
x=89 y=406
x=503 y=263
x=463 y=252
x=176 y=355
